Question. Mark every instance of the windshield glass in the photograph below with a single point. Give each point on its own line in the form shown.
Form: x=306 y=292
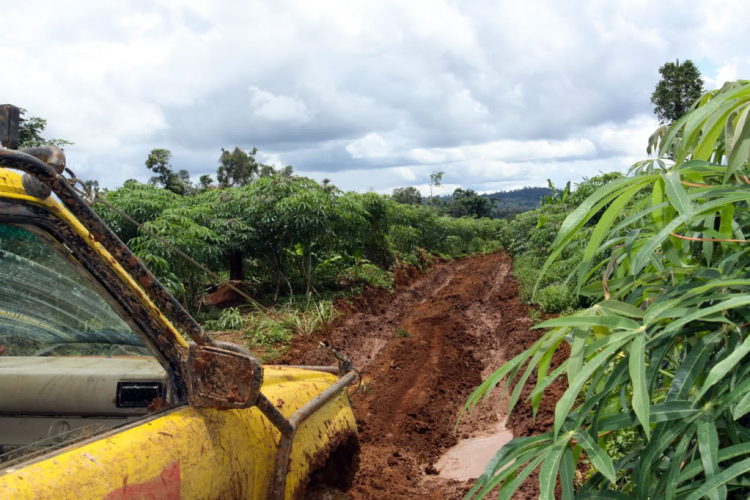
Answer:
x=49 y=309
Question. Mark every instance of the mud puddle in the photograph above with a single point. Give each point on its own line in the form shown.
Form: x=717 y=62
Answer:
x=462 y=321
x=467 y=459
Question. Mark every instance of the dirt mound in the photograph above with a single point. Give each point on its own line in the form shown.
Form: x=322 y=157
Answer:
x=224 y=294
x=422 y=350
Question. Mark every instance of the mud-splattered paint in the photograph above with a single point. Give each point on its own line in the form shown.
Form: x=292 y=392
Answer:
x=165 y=486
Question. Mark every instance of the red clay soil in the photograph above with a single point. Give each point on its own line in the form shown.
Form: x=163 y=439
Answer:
x=463 y=321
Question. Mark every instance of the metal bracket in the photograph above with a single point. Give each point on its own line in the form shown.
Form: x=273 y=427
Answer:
x=288 y=428
x=345 y=362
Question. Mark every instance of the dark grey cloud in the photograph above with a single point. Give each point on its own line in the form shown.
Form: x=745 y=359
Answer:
x=371 y=94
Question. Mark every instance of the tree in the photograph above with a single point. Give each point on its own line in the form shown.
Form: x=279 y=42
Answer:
x=407 y=196
x=29 y=134
x=158 y=162
x=327 y=186
x=436 y=179
x=292 y=229
x=468 y=203
x=237 y=168
x=92 y=186
x=266 y=171
x=142 y=202
x=679 y=87
x=205 y=182
x=287 y=171
x=184 y=177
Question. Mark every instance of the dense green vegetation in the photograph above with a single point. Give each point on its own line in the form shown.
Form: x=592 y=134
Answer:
x=529 y=236
x=293 y=243
x=288 y=231
x=658 y=374
x=466 y=203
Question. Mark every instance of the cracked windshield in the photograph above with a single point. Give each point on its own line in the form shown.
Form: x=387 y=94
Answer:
x=48 y=309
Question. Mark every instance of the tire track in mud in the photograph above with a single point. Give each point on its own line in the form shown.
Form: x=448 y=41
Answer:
x=464 y=321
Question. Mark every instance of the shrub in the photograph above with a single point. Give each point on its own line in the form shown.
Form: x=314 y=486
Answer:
x=554 y=295
x=526 y=270
x=556 y=298
x=370 y=274
x=229 y=319
x=533 y=231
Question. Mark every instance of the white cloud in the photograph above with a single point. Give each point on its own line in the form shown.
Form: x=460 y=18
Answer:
x=463 y=107
x=728 y=73
x=140 y=21
x=628 y=138
x=277 y=108
x=406 y=173
x=273 y=159
x=370 y=146
x=506 y=150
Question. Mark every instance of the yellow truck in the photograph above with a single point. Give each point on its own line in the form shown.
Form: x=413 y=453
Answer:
x=101 y=396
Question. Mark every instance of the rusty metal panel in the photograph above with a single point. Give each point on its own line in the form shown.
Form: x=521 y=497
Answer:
x=10 y=120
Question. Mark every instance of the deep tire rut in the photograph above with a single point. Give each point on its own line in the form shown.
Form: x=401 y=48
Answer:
x=463 y=321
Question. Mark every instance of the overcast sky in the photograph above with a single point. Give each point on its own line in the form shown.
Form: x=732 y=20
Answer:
x=371 y=94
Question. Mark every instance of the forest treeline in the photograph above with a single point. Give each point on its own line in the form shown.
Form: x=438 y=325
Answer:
x=257 y=223
x=467 y=202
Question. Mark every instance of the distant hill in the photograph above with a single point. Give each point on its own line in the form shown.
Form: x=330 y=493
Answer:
x=512 y=202
x=517 y=201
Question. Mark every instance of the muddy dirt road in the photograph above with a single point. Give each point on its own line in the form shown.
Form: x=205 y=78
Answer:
x=421 y=351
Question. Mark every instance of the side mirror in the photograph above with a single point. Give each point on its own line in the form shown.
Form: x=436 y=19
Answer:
x=225 y=376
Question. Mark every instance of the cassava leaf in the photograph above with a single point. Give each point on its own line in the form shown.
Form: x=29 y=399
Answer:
x=723 y=367
x=708 y=443
x=641 y=397
x=548 y=471
x=581 y=321
x=598 y=457
x=720 y=479
x=568 y=399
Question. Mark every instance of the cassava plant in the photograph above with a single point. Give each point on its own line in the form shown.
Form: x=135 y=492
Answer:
x=663 y=353
x=281 y=229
